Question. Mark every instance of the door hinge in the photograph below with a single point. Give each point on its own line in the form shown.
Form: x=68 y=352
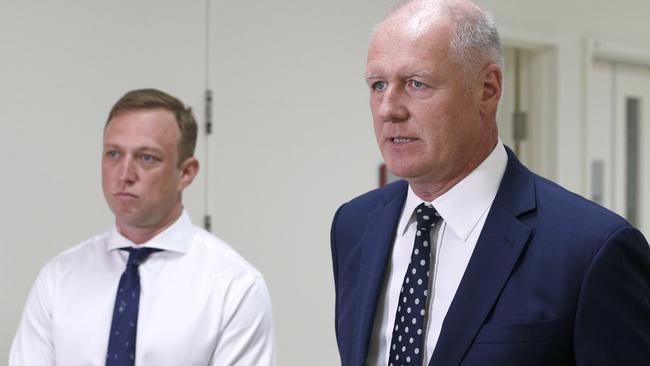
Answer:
x=208 y=111
x=207 y=223
x=520 y=127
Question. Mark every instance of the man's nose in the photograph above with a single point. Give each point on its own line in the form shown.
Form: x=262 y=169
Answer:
x=392 y=108
x=127 y=173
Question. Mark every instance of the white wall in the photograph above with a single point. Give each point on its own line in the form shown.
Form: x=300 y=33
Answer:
x=63 y=65
x=290 y=124
x=292 y=136
x=292 y=141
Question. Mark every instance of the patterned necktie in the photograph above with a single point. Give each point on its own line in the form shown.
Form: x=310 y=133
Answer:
x=406 y=342
x=121 y=340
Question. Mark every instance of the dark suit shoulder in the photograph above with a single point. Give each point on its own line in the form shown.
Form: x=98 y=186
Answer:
x=551 y=195
x=611 y=259
x=377 y=197
x=562 y=213
x=350 y=219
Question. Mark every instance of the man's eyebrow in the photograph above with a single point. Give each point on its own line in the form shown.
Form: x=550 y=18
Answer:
x=426 y=73
x=422 y=73
x=138 y=149
x=371 y=75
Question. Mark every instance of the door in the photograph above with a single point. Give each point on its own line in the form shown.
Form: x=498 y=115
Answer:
x=526 y=116
x=617 y=137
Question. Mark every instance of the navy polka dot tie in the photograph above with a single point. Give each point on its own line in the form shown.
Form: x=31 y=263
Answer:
x=408 y=331
x=121 y=341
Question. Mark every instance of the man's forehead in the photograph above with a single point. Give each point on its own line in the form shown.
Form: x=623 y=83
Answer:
x=417 y=18
x=424 y=24
x=152 y=127
x=398 y=41
x=144 y=111
x=417 y=21
x=154 y=119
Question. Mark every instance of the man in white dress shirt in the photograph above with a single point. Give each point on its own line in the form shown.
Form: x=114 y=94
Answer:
x=200 y=303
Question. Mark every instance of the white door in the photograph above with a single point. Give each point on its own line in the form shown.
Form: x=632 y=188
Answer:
x=618 y=139
x=526 y=117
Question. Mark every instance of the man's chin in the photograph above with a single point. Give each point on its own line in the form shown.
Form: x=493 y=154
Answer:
x=401 y=170
x=131 y=219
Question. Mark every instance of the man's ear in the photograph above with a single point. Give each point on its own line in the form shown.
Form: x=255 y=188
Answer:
x=188 y=171
x=492 y=78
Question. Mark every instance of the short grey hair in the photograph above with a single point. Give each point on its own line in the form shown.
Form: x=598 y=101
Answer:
x=476 y=41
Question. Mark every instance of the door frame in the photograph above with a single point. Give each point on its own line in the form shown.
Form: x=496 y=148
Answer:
x=600 y=50
x=544 y=48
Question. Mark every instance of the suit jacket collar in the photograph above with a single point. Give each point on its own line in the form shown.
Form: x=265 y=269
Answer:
x=497 y=250
x=376 y=246
x=499 y=246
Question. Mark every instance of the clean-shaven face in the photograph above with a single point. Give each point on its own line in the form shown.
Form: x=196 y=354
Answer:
x=426 y=116
x=140 y=174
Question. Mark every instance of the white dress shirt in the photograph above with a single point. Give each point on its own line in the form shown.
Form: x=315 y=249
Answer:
x=200 y=304
x=463 y=209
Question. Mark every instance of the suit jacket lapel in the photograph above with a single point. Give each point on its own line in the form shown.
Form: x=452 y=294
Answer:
x=376 y=244
x=498 y=248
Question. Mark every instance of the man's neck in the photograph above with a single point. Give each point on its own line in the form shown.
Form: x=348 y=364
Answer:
x=430 y=189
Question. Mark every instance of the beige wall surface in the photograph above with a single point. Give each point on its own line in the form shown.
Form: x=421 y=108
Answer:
x=63 y=65
x=292 y=133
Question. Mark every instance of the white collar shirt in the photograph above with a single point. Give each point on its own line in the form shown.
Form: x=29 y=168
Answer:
x=200 y=304
x=463 y=210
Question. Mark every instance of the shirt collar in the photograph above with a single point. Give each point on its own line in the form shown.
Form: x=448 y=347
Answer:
x=177 y=237
x=465 y=203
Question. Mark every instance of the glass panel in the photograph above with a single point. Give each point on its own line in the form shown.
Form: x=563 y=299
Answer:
x=597 y=181
x=632 y=159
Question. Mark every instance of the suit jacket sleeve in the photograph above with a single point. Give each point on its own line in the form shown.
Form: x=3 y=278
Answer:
x=612 y=325
x=335 y=271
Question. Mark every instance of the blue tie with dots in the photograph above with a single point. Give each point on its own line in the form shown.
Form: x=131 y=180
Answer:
x=408 y=331
x=121 y=341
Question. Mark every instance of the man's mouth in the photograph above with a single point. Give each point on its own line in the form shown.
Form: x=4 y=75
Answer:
x=401 y=140
x=125 y=194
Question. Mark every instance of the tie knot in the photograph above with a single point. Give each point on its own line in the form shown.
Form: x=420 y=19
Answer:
x=427 y=216
x=139 y=255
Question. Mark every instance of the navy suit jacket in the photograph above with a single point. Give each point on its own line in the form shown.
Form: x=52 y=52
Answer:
x=554 y=280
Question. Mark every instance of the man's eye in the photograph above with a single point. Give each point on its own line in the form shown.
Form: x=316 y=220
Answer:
x=417 y=84
x=112 y=154
x=379 y=86
x=147 y=158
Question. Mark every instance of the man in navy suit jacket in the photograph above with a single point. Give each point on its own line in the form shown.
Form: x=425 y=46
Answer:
x=522 y=272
